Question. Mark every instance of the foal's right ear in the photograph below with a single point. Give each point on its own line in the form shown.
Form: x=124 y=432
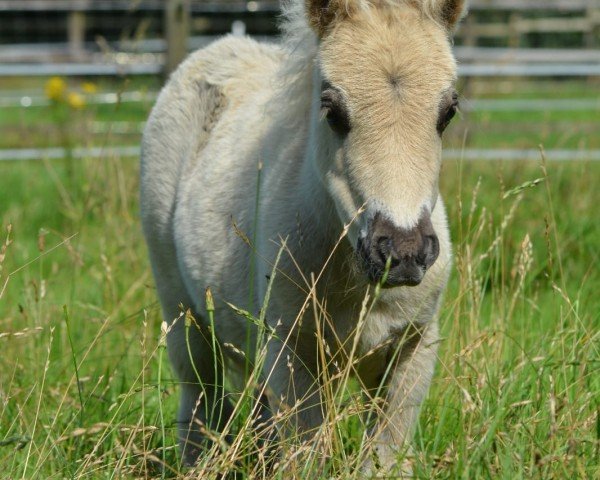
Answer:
x=322 y=13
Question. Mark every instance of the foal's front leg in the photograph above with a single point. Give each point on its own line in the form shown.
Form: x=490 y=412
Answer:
x=412 y=362
x=294 y=388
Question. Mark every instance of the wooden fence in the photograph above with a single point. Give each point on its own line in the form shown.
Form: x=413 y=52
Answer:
x=512 y=24
x=510 y=21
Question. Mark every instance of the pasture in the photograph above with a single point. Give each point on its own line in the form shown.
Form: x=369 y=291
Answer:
x=86 y=390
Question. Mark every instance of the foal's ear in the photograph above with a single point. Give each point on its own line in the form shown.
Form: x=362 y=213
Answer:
x=322 y=13
x=451 y=11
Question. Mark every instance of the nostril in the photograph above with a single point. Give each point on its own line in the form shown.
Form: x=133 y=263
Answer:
x=430 y=251
x=422 y=258
x=385 y=250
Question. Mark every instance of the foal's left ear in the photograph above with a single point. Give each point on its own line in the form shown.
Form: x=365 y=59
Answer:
x=451 y=11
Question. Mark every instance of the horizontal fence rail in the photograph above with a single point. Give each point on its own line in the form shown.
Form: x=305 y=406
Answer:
x=526 y=55
x=28 y=99
x=34 y=99
x=470 y=154
x=473 y=70
x=196 y=6
x=47 y=51
x=207 y=6
x=79 y=69
x=559 y=70
x=558 y=155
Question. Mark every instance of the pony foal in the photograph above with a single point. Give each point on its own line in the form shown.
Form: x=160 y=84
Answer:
x=346 y=118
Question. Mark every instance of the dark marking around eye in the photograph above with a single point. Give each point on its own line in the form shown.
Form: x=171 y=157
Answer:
x=448 y=109
x=335 y=108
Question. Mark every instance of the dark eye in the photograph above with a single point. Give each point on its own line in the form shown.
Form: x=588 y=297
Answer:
x=447 y=114
x=335 y=110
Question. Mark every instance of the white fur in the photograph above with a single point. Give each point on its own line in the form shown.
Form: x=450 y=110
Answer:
x=227 y=109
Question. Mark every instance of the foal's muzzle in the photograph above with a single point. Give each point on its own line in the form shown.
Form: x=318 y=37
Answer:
x=409 y=253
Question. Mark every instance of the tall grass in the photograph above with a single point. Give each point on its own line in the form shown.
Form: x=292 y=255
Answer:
x=91 y=395
x=86 y=390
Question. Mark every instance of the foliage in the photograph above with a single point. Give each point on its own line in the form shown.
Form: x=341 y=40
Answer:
x=86 y=389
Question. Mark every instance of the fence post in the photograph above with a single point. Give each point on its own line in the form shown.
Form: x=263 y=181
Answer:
x=177 y=28
x=76 y=34
x=514 y=35
x=467 y=31
x=593 y=34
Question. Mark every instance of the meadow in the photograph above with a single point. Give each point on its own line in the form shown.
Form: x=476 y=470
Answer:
x=86 y=390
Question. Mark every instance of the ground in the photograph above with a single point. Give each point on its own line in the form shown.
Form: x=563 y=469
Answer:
x=85 y=386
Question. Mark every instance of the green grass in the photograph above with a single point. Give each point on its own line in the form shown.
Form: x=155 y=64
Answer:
x=517 y=388
x=48 y=126
x=44 y=115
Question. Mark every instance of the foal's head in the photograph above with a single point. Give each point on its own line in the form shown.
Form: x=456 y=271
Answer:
x=387 y=78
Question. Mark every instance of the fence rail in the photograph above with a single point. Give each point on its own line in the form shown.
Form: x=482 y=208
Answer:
x=526 y=55
x=196 y=6
x=33 y=98
x=270 y=5
x=46 y=52
x=467 y=154
x=129 y=69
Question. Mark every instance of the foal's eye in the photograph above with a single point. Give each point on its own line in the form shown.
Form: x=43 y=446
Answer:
x=335 y=110
x=448 y=114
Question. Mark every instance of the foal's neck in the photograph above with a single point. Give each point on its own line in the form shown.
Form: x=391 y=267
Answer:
x=312 y=163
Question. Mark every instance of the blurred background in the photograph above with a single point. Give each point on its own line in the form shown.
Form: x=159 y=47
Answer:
x=85 y=389
x=538 y=57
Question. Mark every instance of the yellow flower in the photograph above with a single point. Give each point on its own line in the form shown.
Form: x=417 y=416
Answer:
x=89 y=87
x=55 y=88
x=75 y=100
